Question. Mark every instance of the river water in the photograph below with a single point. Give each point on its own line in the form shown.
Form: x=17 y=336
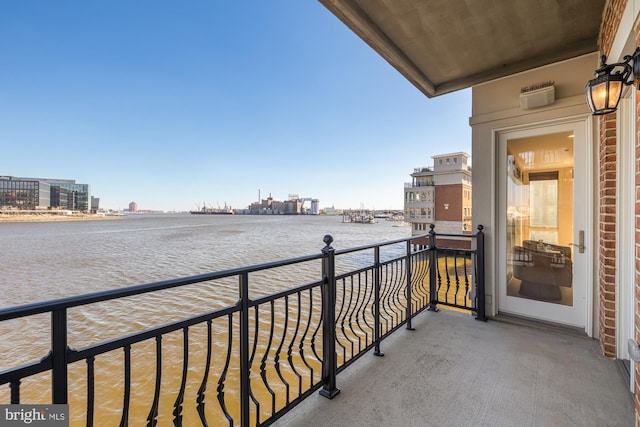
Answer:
x=49 y=260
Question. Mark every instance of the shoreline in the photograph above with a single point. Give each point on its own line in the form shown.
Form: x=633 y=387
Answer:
x=47 y=217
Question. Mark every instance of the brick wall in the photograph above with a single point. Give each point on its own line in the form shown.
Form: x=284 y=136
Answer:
x=611 y=17
x=610 y=23
x=451 y=196
x=607 y=235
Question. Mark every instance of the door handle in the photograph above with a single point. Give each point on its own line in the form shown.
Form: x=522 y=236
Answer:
x=580 y=244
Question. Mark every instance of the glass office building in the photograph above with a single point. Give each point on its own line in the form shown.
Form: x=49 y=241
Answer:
x=60 y=198
x=78 y=197
x=24 y=193
x=38 y=193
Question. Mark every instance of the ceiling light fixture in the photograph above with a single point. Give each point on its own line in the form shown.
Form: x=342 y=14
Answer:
x=603 y=93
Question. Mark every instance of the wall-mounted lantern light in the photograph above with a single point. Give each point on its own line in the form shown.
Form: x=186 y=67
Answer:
x=603 y=93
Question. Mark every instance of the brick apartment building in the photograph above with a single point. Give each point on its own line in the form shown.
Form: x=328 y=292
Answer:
x=440 y=195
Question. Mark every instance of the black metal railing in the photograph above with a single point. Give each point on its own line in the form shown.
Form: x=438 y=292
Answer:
x=261 y=355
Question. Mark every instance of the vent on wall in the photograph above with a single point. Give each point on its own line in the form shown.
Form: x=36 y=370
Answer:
x=537 y=97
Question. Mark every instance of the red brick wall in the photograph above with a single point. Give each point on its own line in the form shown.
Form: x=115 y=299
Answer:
x=607 y=235
x=611 y=17
x=610 y=22
x=450 y=195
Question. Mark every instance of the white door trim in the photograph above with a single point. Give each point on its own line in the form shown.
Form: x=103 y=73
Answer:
x=584 y=193
x=625 y=230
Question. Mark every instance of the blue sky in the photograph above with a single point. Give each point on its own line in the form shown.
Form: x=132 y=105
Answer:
x=172 y=104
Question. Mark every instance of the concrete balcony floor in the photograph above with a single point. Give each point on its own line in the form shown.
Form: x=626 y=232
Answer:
x=455 y=371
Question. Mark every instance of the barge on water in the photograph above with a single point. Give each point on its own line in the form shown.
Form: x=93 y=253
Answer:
x=226 y=210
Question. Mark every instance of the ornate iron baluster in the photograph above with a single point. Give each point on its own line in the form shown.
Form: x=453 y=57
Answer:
x=384 y=300
x=153 y=412
x=369 y=308
x=263 y=362
x=397 y=290
x=304 y=338
x=317 y=329
x=276 y=360
x=352 y=306
x=177 y=406
x=256 y=328
x=448 y=275
x=359 y=312
x=455 y=266
x=340 y=319
x=292 y=342
x=223 y=376
x=124 y=421
x=467 y=299
x=420 y=273
x=203 y=386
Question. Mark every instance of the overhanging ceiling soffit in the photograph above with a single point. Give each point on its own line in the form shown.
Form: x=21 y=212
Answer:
x=442 y=46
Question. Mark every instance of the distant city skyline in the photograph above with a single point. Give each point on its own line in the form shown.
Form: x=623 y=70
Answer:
x=177 y=105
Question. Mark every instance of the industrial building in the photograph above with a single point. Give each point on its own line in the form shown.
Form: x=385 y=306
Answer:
x=294 y=205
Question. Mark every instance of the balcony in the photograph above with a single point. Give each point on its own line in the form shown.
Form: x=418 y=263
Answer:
x=261 y=359
x=453 y=371
x=422 y=170
x=418 y=184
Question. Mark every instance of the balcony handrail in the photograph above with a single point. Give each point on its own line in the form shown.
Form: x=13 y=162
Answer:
x=359 y=308
x=101 y=296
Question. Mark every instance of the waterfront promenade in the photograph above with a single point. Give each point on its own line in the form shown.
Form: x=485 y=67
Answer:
x=455 y=371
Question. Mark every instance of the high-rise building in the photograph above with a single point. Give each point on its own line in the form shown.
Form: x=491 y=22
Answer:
x=440 y=195
x=133 y=207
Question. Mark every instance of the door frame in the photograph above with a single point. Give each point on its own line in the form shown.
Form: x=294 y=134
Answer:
x=583 y=192
x=625 y=228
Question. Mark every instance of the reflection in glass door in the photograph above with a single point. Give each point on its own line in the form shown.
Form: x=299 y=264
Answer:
x=540 y=212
